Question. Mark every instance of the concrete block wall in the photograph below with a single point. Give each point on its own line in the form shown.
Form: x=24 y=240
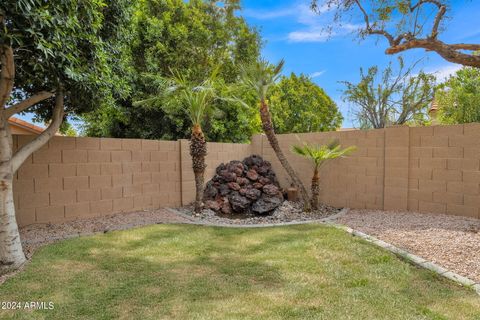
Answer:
x=71 y=178
x=355 y=181
x=426 y=169
x=444 y=169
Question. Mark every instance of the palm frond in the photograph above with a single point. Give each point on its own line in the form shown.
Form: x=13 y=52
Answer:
x=320 y=154
x=261 y=75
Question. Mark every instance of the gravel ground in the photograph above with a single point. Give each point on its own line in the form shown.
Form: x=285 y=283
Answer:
x=287 y=212
x=37 y=235
x=450 y=241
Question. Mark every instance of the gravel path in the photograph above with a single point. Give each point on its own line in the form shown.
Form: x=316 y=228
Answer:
x=37 y=235
x=450 y=241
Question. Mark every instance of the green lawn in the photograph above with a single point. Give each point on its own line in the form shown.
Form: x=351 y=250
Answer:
x=195 y=272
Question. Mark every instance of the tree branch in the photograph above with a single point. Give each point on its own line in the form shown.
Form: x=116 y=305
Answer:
x=448 y=52
x=27 y=103
x=369 y=28
x=465 y=46
x=408 y=40
x=422 y=2
x=21 y=155
x=7 y=74
x=438 y=18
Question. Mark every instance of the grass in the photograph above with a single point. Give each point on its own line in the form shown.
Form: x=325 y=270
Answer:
x=195 y=272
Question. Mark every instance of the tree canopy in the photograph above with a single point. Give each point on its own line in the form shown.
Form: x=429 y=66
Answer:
x=384 y=98
x=458 y=98
x=191 y=38
x=299 y=105
x=405 y=24
x=71 y=50
x=79 y=45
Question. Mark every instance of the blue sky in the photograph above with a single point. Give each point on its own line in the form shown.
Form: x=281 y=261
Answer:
x=293 y=32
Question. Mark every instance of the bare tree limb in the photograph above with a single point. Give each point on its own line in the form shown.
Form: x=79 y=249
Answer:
x=465 y=46
x=442 y=9
x=369 y=28
x=422 y=2
x=27 y=103
x=23 y=153
x=448 y=52
x=409 y=40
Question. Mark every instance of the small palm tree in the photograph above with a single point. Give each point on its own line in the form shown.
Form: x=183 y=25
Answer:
x=319 y=156
x=196 y=99
x=261 y=76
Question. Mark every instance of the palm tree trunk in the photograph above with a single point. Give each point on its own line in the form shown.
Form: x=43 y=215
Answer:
x=272 y=139
x=315 y=189
x=198 y=151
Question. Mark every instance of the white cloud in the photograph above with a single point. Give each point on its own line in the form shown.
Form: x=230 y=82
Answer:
x=317 y=74
x=444 y=72
x=267 y=15
x=310 y=35
x=313 y=22
x=301 y=11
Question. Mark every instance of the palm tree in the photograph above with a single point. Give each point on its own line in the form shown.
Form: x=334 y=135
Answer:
x=260 y=76
x=320 y=155
x=196 y=99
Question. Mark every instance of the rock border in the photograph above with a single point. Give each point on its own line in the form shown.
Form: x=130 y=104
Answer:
x=414 y=259
x=330 y=221
x=195 y=221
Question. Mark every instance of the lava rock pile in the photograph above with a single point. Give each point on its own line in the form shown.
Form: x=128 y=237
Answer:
x=248 y=186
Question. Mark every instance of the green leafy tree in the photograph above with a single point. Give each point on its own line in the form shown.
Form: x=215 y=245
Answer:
x=458 y=98
x=196 y=102
x=405 y=24
x=299 y=105
x=319 y=155
x=260 y=77
x=390 y=98
x=191 y=38
x=56 y=58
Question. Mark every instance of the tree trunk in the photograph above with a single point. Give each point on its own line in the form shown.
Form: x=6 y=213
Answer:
x=272 y=139
x=11 y=253
x=315 y=189
x=198 y=152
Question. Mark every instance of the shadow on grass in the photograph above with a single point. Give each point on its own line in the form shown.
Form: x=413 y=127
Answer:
x=197 y=272
x=113 y=276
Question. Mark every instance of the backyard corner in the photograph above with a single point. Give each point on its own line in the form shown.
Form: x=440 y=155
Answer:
x=240 y=159
x=187 y=271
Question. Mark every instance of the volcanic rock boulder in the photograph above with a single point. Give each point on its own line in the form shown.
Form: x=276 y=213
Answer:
x=248 y=186
x=266 y=204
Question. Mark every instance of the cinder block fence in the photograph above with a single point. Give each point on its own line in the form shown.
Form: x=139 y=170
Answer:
x=427 y=169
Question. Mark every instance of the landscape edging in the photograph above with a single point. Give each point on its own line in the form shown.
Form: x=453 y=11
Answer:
x=416 y=260
x=192 y=220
